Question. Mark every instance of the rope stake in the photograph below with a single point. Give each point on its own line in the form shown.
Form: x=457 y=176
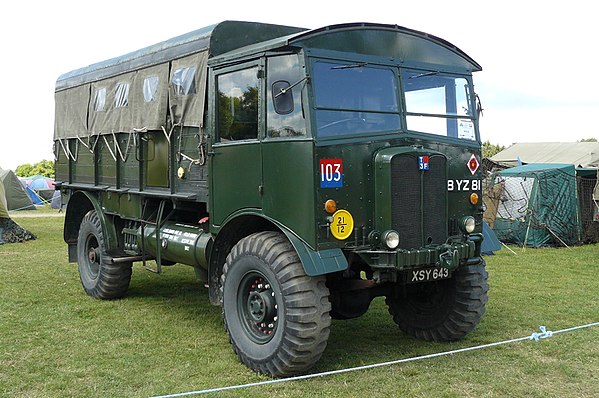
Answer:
x=543 y=335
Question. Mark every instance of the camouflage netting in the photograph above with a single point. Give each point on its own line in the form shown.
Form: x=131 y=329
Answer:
x=534 y=205
x=11 y=232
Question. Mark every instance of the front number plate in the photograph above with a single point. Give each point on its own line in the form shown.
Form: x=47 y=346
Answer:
x=428 y=274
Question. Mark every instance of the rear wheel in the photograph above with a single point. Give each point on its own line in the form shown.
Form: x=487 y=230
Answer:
x=444 y=310
x=277 y=317
x=100 y=277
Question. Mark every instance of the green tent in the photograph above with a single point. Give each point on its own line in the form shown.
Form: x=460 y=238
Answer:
x=537 y=205
x=10 y=232
x=16 y=197
x=3 y=206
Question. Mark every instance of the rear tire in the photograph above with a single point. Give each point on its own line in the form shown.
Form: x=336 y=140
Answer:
x=444 y=310
x=100 y=277
x=277 y=317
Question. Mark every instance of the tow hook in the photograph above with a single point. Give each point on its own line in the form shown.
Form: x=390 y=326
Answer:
x=449 y=259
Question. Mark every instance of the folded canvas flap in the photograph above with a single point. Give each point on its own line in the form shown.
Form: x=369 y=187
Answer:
x=150 y=98
x=71 y=112
x=187 y=89
x=111 y=104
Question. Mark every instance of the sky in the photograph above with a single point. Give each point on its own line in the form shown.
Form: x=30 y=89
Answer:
x=538 y=82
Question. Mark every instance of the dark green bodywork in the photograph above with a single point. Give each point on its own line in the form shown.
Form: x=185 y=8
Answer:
x=274 y=183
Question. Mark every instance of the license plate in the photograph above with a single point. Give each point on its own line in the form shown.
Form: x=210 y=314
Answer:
x=428 y=274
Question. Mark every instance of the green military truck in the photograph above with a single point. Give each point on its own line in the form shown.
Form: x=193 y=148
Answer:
x=302 y=173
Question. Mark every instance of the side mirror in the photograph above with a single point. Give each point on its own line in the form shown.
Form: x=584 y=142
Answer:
x=282 y=96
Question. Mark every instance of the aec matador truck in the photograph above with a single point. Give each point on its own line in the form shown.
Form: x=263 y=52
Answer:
x=302 y=173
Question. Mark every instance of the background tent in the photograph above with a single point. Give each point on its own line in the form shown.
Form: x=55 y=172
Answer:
x=16 y=197
x=3 y=207
x=535 y=205
x=10 y=232
x=580 y=154
x=33 y=196
x=583 y=155
x=56 y=201
x=588 y=200
x=490 y=242
x=39 y=188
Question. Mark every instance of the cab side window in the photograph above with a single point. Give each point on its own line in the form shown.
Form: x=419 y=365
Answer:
x=284 y=103
x=238 y=105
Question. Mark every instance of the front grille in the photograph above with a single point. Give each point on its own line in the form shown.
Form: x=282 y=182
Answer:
x=419 y=200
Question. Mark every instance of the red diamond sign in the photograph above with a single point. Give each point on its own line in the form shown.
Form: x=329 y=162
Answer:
x=473 y=164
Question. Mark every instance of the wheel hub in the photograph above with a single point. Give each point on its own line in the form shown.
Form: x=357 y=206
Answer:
x=92 y=255
x=260 y=306
x=260 y=309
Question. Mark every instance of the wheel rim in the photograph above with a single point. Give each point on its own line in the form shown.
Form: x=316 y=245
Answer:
x=93 y=256
x=257 y=307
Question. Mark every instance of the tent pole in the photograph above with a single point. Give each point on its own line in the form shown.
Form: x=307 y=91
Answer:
x=557 y=237
x=506 y=246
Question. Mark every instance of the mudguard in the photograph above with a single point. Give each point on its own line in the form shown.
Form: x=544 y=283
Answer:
x=79 y=204
x=317 y=262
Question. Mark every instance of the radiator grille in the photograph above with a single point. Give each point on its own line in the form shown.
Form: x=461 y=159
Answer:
x=419 y=200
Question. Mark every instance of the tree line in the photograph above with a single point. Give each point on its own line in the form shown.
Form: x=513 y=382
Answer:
x=44 y=168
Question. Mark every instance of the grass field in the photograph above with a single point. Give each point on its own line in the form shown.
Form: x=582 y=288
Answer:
x=165 y=337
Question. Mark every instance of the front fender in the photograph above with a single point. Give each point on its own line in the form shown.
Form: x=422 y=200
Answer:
x=317 y=262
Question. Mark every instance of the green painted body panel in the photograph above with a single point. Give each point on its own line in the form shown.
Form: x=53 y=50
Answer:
x=236 y=179
x=83 y=169
x=157 y=155
x=288 y=195
x=106 y=164
x=130 y=205
x=129 y=170
x=110 y=202
x=366 y=191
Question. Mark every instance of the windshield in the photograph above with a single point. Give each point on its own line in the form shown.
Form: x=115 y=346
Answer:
x=438 y=104
x=354 y=99
x=357 y=98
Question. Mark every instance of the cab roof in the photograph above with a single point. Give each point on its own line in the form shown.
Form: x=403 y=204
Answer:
x=236 y=39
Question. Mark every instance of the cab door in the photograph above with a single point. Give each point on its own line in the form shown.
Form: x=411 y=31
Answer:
x=236 y=154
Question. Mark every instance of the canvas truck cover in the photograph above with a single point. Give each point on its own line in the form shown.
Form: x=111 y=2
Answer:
x=132 y=92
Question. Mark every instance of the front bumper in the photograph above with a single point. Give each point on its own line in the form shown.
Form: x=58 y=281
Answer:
x=448 y=255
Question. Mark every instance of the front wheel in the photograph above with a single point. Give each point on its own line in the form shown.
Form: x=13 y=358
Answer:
x=444 y=310
x=100 y=277
x=277 y=317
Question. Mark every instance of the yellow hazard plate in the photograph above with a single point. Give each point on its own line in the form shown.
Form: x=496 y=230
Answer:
x=342 y=225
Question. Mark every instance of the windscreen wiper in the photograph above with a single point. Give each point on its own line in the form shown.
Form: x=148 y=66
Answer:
x=424 y=74
x=358 y=65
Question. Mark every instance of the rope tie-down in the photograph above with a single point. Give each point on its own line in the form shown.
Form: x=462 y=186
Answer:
x=537 y=336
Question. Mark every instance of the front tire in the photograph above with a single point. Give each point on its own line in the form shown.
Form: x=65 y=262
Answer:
x=100 y=277
x=444 y=310
x=276 y=316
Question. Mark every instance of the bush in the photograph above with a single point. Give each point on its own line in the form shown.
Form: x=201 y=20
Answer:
x=44 y=168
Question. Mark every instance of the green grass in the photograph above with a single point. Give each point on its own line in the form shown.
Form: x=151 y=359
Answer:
x=165 y=337
x=38 y=211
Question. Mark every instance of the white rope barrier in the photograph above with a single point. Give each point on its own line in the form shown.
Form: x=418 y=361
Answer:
x=535 y=336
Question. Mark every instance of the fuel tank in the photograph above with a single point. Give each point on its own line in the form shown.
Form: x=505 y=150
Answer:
x=177 y=242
